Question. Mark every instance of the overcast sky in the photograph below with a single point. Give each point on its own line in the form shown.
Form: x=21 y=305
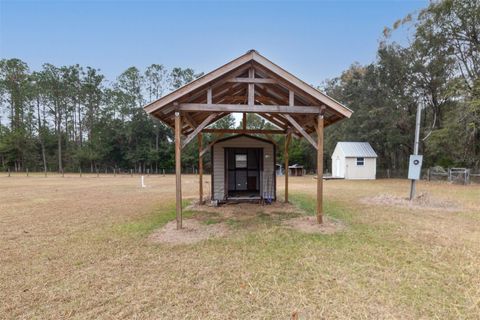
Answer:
x=315 y=40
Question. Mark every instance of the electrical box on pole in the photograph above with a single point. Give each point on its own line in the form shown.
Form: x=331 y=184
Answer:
x=415 y=166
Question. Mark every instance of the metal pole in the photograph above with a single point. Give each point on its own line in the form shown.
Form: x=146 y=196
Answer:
x=415 y=146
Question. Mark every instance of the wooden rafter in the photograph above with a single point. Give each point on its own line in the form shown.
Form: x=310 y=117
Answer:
x=301 y=130
x=199 y=128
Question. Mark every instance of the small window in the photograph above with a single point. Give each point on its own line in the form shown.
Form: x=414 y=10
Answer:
x=240 y=161
x=360 y=161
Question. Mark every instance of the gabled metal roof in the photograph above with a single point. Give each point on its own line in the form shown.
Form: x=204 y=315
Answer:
x=356 y=149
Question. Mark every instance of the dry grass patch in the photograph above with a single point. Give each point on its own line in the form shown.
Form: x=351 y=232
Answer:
x=193 y=231
x=421 y=201
x=76 y=248
x=310 y=225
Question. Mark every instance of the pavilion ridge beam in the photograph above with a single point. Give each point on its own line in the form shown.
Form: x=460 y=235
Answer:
x=202 y=125
x=301 y=130
x=205 y=107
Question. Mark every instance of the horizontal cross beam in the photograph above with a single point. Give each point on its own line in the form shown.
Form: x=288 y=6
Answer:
x=209 y=107
x=244 y=131
x=252 y=80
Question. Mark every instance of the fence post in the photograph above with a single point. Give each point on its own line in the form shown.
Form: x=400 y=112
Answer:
x=131 y=173
x=164 y=172
x=27 y=172
x=428 y=174
x=80 y=169
x=63 y=172
x=9 y=171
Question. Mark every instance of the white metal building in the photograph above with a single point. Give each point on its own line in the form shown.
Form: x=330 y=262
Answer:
x=354 y=160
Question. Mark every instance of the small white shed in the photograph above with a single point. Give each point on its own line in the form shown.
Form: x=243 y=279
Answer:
x=243 y=168
x=354 y=160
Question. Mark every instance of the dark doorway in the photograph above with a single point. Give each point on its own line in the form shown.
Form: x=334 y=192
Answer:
x=243 y=167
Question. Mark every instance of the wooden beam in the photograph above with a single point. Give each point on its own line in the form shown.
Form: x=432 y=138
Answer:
x=251 y=88
x=291 y=98
x=209 y=95
x=188 y=119
x=200 y=127
x=253 y=80
x=320 y=125
x=178 y=169
x=241 y=131
x=205 y=107
x=200 y=168
x=288 y=137
x=300 y=129
x=274 y=121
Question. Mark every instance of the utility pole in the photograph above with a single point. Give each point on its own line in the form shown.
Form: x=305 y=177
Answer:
x=415 y=146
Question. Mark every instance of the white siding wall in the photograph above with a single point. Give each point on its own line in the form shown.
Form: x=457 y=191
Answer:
x=367 y=171
x=219 y=161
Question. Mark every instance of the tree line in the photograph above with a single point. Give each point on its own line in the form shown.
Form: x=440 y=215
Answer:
x=71 y=117
x=439 y=70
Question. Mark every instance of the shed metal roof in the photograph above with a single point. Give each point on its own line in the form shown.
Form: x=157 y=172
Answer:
x=357 y=149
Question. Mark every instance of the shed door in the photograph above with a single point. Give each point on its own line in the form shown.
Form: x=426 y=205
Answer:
x=243 y=169
x=337 y=167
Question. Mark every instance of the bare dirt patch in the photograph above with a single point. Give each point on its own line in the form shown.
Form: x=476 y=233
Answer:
x=213 y=222
x=235 y=209
x=309 y=225
x=422 y=201
x=193 y=231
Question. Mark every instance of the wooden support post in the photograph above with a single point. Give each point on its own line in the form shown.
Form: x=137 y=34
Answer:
x=178 y=168
x=244 y=121
x=251 y=88
x=288 y=137
x=200 y=168
x=320 y=169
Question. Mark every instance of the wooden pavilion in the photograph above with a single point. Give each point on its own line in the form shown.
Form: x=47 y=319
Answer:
x=249 y=84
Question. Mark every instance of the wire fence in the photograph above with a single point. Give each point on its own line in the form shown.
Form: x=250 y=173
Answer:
x=102 y=171
x=451 y=175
